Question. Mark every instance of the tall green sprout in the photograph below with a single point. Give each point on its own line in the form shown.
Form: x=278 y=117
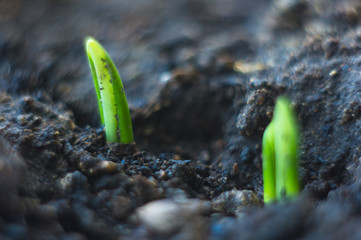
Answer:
x=280 y=154
x=112 y=102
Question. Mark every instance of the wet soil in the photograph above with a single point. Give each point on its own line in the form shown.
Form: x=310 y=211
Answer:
x=201 y=79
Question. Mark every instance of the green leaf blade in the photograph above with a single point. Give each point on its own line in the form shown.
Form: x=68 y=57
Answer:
x=286 y=150
x=268 y=165
x=90 y=54
x=125 y=128
x=113 y=106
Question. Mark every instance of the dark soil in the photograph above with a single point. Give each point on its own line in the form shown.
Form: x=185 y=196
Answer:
x=201 y=79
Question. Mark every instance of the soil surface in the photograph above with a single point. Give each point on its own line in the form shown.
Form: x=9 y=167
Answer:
x=201 y=78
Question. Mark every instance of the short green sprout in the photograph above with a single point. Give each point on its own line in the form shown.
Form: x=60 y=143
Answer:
x=268 y=164
x=112 y=102
x=279 y=153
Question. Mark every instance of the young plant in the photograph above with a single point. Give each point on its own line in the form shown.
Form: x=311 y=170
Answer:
x=112 y=102
x=268 y=164
x=279 y=153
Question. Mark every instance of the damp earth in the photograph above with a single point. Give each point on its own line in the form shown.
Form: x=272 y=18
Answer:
x=201 y=78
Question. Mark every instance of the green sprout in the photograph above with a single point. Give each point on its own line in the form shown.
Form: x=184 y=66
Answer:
x=112 y=102
x=268 y=164
x=279 y=153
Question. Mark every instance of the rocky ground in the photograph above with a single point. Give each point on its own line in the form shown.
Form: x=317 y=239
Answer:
x=201 y=79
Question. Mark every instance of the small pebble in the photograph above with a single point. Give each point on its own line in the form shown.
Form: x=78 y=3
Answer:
x=106 y=167
x=234 y=201
x=166 y=216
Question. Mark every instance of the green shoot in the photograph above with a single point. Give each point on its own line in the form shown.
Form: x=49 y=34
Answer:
x=286 y=150
x=268 y=164
x=279 y=153
x=112 y=102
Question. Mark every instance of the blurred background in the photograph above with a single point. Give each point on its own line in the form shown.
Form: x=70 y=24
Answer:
x=41 y=44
